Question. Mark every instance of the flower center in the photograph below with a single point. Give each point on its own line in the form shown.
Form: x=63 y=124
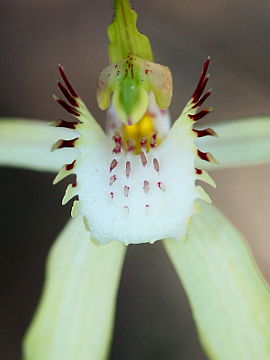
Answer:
x=134 y=168
x=137 y=138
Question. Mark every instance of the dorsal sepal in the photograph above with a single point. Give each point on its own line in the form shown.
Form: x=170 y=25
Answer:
x=124 y=36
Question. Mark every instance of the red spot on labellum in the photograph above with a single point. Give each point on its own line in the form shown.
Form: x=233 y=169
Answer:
x=161 y=185
x=117 y=149
x=143 y=158
x=156 y=164
x=126 y=191
x=128 y=168
x=114 y=163
x=112 y=179
x=131 y=145
x=153 y=141
x=143 y=142
x=117 y=139
x=146 y=186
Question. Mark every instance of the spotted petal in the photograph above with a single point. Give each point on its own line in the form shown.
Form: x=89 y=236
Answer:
x=239 y=142
x=228 y=296
x=75 y=317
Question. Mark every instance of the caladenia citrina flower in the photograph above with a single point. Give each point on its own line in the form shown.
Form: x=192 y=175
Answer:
x=137 y=182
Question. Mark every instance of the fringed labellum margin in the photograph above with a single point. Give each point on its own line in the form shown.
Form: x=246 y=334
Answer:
x=136 y=183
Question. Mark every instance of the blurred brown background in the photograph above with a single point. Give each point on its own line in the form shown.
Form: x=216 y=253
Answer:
x=153 y=320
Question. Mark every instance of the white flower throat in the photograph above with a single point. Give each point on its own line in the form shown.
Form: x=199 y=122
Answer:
x=136 y=183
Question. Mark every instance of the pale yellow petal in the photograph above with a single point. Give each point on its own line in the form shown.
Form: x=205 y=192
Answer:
x=74 y=320
x=239 y=142
x=228 y=296
x=27 y=144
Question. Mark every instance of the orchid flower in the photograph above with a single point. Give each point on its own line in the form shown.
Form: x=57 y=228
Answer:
x=136 y=183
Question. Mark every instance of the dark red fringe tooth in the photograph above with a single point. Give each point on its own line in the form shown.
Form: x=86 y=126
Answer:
x=202 y=82
x=70 y=94
x=67 y=82
x=198 y=171
x=66 y=143
x=203 y=155
x=66 y=124
x=199 y=115
x=70 y=166
x=67 y=107
x=202 y=99
x=205 y=132
x=65 y=92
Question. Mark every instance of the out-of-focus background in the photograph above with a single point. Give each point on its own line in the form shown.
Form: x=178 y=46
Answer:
x=153 y=319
